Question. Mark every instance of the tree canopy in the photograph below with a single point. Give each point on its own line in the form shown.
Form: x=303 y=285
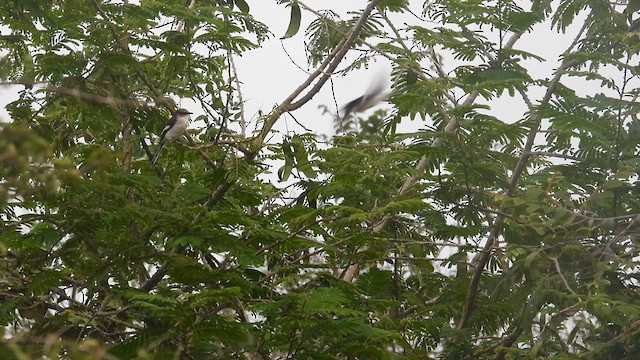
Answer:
x=490 y=231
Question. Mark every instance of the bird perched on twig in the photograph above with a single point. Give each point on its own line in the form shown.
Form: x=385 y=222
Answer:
x=175 y=128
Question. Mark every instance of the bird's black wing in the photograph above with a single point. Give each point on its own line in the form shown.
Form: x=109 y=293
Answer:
x=351 y=106
x=170 y=123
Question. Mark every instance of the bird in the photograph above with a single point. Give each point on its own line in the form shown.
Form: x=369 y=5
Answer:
x=175 y=128
x=371 y=97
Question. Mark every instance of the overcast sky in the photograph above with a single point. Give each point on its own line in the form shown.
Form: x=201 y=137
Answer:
x=268 y=75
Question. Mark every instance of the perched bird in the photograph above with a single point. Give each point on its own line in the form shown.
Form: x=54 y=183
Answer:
x=371 y=97
x=176 y=126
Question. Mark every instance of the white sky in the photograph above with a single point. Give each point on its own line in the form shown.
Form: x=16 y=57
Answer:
x=268 y=75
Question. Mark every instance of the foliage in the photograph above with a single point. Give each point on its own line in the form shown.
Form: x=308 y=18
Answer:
x=482 y=234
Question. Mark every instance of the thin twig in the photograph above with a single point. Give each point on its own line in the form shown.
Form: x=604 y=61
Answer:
x=556 y=264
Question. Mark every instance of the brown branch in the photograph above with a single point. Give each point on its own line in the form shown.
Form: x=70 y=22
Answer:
x=556 y=155
x=495 y=230
x=522 y=163
x=556 y=264
x=326 y=69
x=239 y=145
x=122 y=42
x=156 y=277
x=107 y=100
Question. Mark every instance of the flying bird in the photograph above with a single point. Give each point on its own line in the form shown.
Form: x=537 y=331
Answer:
x=374 y=94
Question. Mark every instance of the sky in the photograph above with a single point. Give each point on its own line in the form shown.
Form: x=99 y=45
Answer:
x=269 y=73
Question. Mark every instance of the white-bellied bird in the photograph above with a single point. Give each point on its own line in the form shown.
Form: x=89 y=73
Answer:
x=175 y=128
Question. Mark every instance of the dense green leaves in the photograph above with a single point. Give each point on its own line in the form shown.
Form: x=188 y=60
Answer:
x=501 y=225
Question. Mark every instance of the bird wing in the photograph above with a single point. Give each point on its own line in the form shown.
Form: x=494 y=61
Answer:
x=376 y=87
x=170 y=123
x=372 y=95
x=351 y=106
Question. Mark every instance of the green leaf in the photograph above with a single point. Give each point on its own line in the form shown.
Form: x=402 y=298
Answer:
x=285 y=170
x=294 y=22
x=394 y=5
x=42 y=282
x=242 y=5
x=375 y=282
x=188 y=240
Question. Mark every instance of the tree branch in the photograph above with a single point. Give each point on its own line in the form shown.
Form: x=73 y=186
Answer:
x=325 y=69
x=522 y=162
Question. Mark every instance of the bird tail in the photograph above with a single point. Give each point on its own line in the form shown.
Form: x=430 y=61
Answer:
x=157 y=155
